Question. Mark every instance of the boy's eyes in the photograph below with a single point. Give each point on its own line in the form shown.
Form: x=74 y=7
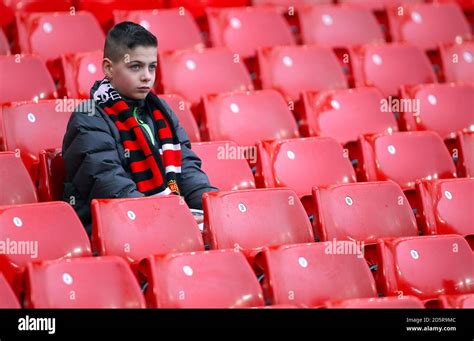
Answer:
x=138 y=67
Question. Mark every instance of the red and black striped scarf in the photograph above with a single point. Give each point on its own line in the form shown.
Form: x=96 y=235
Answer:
x=155 y=170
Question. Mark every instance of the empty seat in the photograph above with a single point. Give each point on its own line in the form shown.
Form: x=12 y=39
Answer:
x=225 y=163
x=339 y=26
x=4 y=44
x=458 y=62
x=362 y=211
x=427 y=25
x=182 y=109
x=198 y=8
x=444 y=108
x=248 y=117
x=51 y=175
x=40 y=5
x=465 y=148
x=89 y=282
x=293 y=69
x=42 y=231
x=456 y=301
x=426 y=266
x=174 y=28
x=390 y=66
x=245 y=29
x=252 y=219
x=210 y=279
x=301 y=164
x=405 y=157
x=51 y=34
x=8 y=299
x=345 y=114
x=33 y=126
x=138 y=227
x=79 y=72
x=447 y=206
x=28 y=79
x=192 y=74
x=17 y=187
x=403 y=302
x=103 y=9
x=311 y=274
x=288 y=3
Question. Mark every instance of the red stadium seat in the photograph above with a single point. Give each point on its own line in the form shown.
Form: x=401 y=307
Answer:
x=339 y=26
x=456 y=301
x=198 y=8
x=51 y=34
x=51 y=174
x=427 y=25
x=447 y=206
x=390 y=66
x=42 y=231
x=175 y=28
x=8 y=299
x=362 y=211
x=403 y=302
x=405 y=157
x=192 y=74
x=444 y=108
x=210 y=279
x=243 y=30
x=458 y=62
x=293 y=69
x=225 y=164
x=30 y=127
x=252 y=219
x=4 y=44
x=138 y=227
x=426 y=266
x=39 y=5
x=311 y=274
x=301 y=164
x=103 y=9
x=345 y=114
x=182 y=109
x=22 y=85
x=17 y=187
x=247 y=117
x=465 y=4
x=465 y=143
x=79 y=72
x=90 y=282
x=378 y=5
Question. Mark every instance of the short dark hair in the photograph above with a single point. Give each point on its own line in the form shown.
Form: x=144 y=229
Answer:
x=126 y=36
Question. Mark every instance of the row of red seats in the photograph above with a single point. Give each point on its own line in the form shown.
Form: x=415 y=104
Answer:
x=417 y=271
x=244 y=28
x=291 y=70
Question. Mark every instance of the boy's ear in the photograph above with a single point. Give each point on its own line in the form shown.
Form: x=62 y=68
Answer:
x=107 y=67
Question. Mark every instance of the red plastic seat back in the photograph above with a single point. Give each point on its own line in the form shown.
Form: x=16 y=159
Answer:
x=246 y=118
x=426 y=266
x=210 y=279
x=458 y=62
x=138 y=227
x=90 y=282
x=17 y=187
x=52 y=173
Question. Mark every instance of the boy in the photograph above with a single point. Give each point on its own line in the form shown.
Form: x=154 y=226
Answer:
x=131 y=145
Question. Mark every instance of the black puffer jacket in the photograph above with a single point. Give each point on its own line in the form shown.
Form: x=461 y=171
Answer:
x=97 y=166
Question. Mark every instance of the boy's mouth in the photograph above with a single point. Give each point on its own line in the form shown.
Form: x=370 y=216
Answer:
x=144 y=88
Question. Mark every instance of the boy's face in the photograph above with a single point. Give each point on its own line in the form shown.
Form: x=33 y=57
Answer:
x=133 y=75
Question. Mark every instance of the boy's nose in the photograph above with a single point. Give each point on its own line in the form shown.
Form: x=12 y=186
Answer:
x=146 y=76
